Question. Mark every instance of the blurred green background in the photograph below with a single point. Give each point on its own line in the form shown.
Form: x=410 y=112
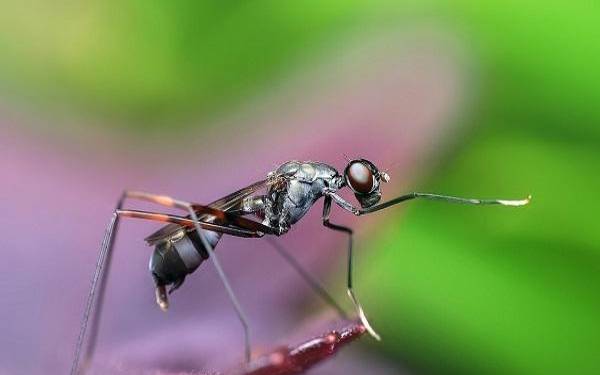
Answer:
x=458 y=289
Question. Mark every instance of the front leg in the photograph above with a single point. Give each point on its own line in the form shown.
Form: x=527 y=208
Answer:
x=329 y=195
x=436 y=197
x=350 y=290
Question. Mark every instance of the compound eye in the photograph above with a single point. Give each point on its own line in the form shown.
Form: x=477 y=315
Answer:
x=360 y=178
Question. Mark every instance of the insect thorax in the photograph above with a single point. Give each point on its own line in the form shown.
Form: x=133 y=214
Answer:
x=305 y=184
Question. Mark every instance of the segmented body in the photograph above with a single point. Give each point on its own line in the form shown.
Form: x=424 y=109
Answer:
x=295 y=187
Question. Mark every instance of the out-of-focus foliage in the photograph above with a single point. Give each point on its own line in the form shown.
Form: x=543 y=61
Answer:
x=452 y=289
x=482 y=290
x=145 y=62
x=142 y=61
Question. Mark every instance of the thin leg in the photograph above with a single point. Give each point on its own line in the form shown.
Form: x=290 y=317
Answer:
x=188 y=223
x=307 y=277
x=100 y=277
x=232 y=296
x=191 y=209
x=353 y=298
x=447 y=198
x=436 y=197
x=220 y=216
x=100 y=274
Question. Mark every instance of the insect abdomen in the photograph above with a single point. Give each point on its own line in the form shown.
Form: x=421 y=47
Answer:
x=174 y=258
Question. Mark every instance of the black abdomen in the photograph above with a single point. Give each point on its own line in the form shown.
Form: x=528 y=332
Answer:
x=179 y=255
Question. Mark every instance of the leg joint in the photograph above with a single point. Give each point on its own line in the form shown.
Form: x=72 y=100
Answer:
x=340 y=228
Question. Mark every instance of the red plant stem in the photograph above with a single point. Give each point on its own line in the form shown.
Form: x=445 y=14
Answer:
x=297 y=359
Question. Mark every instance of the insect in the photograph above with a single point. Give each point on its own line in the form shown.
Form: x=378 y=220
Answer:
x=277 y=202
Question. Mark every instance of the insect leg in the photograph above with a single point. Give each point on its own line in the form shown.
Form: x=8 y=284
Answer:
x=232 y=296
x=446 y=198
x=188 y=223
x=191 y=209
x=219 y=215
x=308 y=278
x=436 y=197
x=100 y=275
x=350 y=290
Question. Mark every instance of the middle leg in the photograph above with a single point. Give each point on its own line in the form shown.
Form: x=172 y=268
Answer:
x=307 y=277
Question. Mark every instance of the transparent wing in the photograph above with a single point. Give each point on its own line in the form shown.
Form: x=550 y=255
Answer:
x=234 y=199
x=226 y=203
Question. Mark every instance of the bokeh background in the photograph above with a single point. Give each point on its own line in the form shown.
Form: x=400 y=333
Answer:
x=197 y=99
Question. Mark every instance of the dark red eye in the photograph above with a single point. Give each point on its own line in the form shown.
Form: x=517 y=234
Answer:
x=360 y=178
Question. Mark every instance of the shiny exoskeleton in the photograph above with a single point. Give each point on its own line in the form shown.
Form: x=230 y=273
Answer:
x=300 y=184
x=279 y=201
